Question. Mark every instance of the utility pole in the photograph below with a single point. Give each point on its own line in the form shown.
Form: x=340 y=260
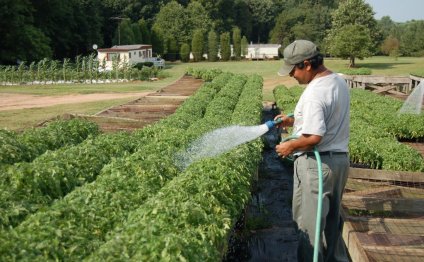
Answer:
x=119 y=26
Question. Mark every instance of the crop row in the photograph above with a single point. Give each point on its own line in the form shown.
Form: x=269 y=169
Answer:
x=33 y=142
x=205 y=74
x=190 y=218
x=374 y=129
x=76 y=225
x=384 y=112
x=27 y=187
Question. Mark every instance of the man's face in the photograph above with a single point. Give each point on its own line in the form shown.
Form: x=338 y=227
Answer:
x=302 y=75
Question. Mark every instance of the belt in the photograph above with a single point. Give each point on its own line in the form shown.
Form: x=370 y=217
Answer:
x=324 y=153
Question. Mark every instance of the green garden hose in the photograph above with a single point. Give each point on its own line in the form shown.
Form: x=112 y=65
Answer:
x=319 y=205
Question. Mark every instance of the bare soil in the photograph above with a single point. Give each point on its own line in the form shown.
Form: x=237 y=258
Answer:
x=9 y=101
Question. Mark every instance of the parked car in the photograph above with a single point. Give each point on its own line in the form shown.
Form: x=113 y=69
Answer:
x=157 y=61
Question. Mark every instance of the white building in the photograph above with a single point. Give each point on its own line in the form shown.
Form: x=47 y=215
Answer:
x=255 y=51
x=132 y=54
x=262 y=51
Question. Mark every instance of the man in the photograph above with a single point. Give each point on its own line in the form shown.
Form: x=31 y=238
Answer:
x=321 y=121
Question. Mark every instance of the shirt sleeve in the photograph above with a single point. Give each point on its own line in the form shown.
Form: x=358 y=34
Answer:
x=313 y=119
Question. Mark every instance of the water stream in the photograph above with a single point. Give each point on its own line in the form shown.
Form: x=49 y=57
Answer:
x=218 y=142
x=414 y=102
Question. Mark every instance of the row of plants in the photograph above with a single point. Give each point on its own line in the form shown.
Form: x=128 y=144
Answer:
x=28 y=187
x=205 y=74
x=86 y=215
x=375 y=129
x=25 y=146
x=377 y=126
x=85 y=69
x=190 y=218
x=383 y=111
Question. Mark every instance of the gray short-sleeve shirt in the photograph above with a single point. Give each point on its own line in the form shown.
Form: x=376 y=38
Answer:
x=323 y=109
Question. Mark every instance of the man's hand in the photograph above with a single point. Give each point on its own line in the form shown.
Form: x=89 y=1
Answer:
x=304 y=143
x=284 y=149
x=287 y=120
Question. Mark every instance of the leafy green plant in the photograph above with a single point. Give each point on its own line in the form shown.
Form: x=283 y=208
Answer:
x=375 y=128
x=35 y=141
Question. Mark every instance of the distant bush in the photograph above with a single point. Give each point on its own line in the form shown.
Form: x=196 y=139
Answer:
x=185 y=52
x=139 y=66
x=356 y=71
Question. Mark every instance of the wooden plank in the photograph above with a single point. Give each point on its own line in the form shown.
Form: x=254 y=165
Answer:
x=355 y=249
x=395 y=254
x=386 y=191
x=373 y=79
x=387 y=225
x=362 y=184
x=368 y=239
x=416 y=78
x=380 y=89
x=386 y=175
x=397 y=205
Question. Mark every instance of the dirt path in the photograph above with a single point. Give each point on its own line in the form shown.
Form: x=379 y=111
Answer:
x=10 y=101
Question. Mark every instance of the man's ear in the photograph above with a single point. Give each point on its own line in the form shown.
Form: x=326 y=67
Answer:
x=307 y=65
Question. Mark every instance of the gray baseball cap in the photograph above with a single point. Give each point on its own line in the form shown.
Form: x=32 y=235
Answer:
x=296 y=52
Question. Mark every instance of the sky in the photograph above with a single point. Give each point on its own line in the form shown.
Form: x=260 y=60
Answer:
x=398 y=10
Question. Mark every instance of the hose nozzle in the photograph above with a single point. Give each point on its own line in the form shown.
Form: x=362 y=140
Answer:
x=271 y=123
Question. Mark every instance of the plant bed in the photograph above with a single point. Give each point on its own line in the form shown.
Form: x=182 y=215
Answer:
x=384 y=215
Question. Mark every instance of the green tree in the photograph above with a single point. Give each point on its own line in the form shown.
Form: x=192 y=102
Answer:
x=73 y=25
x=351 y=42
x=178 y=22
x=138 y=37
x=197 y=18
x=263 y=12
x=212 y=46
x=237 y=43
x=124 y=34
x=144 y=31
x=171 y=21
x=350 y=22
x=221 y=12
x=158 y=41
x=244 y=46
x=172 y=50
x=185 y=52
x=412 y=38
x=304 y=21
x=197 y=45
x=225 y=46
x=20 y=39
x=391 y=46
x=386 y=26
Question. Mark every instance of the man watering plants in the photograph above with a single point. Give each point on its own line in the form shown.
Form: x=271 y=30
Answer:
x=320 y=122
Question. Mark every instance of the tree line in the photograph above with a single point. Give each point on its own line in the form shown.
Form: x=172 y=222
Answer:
x=34 y=30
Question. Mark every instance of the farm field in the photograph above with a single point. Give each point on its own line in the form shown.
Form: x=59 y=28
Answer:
x=105 y=184
x=134 y=176
x=17 y=119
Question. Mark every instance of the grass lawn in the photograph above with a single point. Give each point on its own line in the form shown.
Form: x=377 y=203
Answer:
x=23 y=118
x=15 y=119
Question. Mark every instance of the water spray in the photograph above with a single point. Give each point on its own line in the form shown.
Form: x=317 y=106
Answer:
x=414 y=102
x=220 y=141
x=224 y=139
